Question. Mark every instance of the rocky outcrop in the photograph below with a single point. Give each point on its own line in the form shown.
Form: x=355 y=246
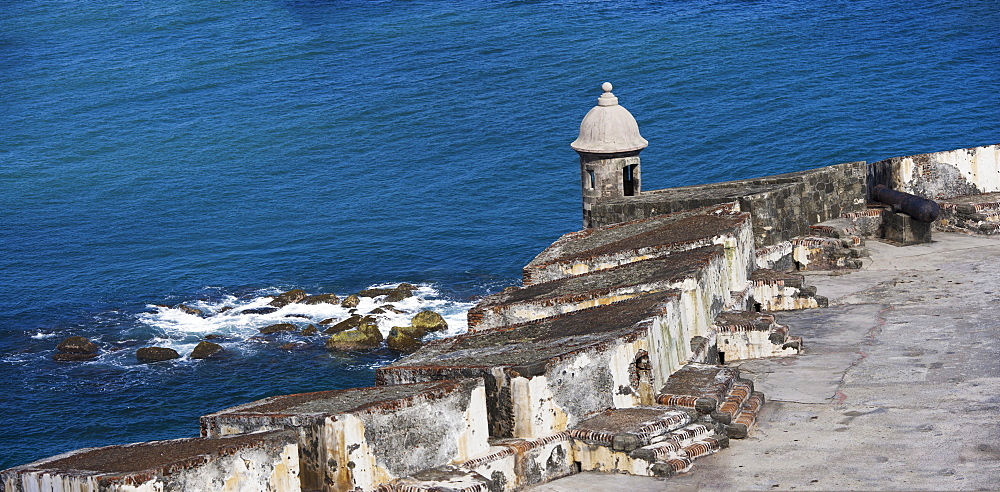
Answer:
x=351 y=301
x=394 y=294
x=286 y=298
x=321 y=299
x=75 y=348
x=155 y=354
x=366 y=336
x=205 y=349
x=401 y=341
x=429 y=322
x=352 y=322
x=278 y=327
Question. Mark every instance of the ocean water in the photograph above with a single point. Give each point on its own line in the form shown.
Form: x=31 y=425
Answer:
x=216 y=153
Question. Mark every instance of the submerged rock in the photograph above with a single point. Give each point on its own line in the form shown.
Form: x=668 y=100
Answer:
x=429 y=321
x=351 y=301
x=321 y=299
x=400 y=341
x=290 y=297
x=205 y=350
x=190 y=310
x=72 y=357
x=155 y=354
x=260 y=310
x=275 y=328
x=392 y=309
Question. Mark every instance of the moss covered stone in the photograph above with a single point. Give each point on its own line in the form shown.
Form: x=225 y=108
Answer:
x=429 y=321
x=400 y=341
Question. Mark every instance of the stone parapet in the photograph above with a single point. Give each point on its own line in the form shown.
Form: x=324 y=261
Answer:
x=781 y=206
x=601 y=248
x=266 y=462
x=343 y=435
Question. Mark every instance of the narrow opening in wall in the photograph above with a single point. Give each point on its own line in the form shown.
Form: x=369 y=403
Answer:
x=576 y=467
x=722 y=358
x=592 y=183
x=628 y=180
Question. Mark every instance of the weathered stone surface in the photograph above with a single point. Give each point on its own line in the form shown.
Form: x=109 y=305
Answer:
x=263 y=461
x=205 y=349
x=321 y=299
x=429 y=322
x=286 y=298
x=278 y=327
x=540 y=362
x=77 y=345
x=310 y=330
x=400 y=341
x=781 y=206
x=351 y=301
x=903 y=230
x=440 y=421
x=155 y=354
x=704 y=269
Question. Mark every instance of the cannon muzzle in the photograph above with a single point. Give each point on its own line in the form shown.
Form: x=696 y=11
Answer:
x=917 y=207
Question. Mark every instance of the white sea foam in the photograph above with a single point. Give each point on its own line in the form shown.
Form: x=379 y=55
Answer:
x=228 y=317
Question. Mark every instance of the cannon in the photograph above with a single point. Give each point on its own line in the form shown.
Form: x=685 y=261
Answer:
x=917 y=207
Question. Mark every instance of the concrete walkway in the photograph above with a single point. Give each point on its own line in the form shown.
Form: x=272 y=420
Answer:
x=898 y=389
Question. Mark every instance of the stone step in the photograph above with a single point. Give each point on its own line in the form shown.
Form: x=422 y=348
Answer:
x=625 y=429
x=742 y=426
x=773 y=290
x=744 y=335
x=673 y=444
x=547 y=458
x=701 y=387
x=443 y=478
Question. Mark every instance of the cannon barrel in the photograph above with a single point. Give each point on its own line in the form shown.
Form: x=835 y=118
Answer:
x=917 y=207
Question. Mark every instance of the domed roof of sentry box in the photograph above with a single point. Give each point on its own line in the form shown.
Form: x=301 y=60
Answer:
x=608 y=128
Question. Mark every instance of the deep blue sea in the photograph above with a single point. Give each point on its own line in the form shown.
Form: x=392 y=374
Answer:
x=215 y=153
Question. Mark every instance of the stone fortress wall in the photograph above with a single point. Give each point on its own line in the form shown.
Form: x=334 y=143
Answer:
x=612 y=356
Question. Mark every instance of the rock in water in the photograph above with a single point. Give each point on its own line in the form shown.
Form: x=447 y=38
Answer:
x=205 y=350
x=429 y=321
x=350 y=323
x=267 y=330
x=309 y=330
x=362 y=338
x=189 y=310
x=260 y=310
x=351 y=301
x=155 y=354
x=321 y=299
x=399 y=341
x=284 y=299
x=77 y=345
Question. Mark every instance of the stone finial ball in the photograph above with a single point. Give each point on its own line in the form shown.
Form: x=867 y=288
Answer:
x=606 y=87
